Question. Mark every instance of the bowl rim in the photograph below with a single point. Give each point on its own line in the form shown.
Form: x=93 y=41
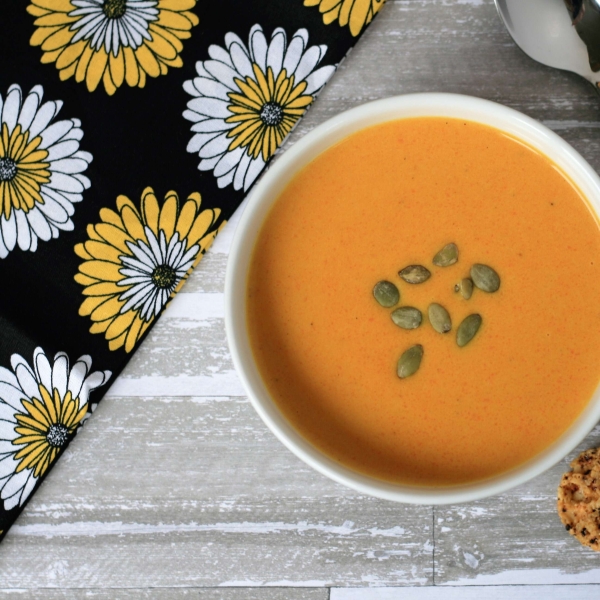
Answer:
x=266 y=192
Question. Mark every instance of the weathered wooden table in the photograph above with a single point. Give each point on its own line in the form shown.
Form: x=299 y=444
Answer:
x=175 y=488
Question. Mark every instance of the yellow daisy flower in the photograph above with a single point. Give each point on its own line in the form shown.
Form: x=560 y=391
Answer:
x=265 y=111
x=246 y=99
x=112 y=41
x=44 y=428
x=23 y=170
x=41 y=169
x=41 y=407
x=355 y=13
x=135 y=260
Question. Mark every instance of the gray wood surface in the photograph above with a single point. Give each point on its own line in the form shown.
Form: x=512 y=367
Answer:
x=176 y=489
x=173 y=594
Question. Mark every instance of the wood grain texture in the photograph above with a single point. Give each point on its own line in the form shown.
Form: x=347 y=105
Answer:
x=171 y=594
x=175 y=486
x=195 y=492
x=514 y=538
x=496 y=592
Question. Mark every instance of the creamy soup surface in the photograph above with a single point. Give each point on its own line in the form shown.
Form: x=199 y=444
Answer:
x=393 y=195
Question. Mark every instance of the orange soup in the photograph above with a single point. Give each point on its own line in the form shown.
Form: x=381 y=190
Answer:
x=392 y=196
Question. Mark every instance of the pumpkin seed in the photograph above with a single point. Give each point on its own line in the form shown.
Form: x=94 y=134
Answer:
x=407 y=317
x=485 y=278
x=410 y=361
x=415 y=274
x=386 y=293
x=447 y=256
x=465 y=287
x=439 y=318
x=467 y=329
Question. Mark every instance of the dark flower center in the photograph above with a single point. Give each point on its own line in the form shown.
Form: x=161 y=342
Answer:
x=164 y=276
x=271 y=114
x=57 y=435
x=114 y=9
x=8 y=169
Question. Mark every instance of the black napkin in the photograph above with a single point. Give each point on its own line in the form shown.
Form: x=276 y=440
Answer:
x=130 y=132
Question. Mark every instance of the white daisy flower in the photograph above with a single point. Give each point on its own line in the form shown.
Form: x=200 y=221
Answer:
x=112 y=41
x=113 y=23
x=41 y=170
x=154 y=271
x=247 y=99
x=40 y=409
x=137 y=257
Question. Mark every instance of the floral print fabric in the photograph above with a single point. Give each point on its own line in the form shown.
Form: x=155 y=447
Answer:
x=130 y=130
x=355 y=14
x=112 y=41
x=247 y=99
x=41 y=406
x=135 y=260
x=41 y=169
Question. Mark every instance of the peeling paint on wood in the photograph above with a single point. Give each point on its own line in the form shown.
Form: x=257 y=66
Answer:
x=499 y=592
x=170 y=594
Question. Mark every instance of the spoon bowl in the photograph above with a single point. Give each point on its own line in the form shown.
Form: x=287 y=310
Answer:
x=543 y=30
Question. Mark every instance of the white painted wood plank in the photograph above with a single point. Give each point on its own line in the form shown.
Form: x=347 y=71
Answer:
x=192 y=492
x=514 y=538
x=531 y=576
x=170 y=594
x=499 y=592
x=181 y=358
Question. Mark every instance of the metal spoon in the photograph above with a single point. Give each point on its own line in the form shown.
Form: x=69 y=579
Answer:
x=543 y=30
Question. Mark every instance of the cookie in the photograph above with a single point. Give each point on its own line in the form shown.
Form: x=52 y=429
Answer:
x=579 y=499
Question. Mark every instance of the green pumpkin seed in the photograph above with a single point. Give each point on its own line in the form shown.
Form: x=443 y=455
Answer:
x=447 y=256
x=415 y=274
x=386 y=293
x=465 y=287
x=439 y=318
x=407 y=317
x=410 y=361
x=485 y=278
x=468 y=329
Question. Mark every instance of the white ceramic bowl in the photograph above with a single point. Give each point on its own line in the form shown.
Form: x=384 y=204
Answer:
x=266 y=193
